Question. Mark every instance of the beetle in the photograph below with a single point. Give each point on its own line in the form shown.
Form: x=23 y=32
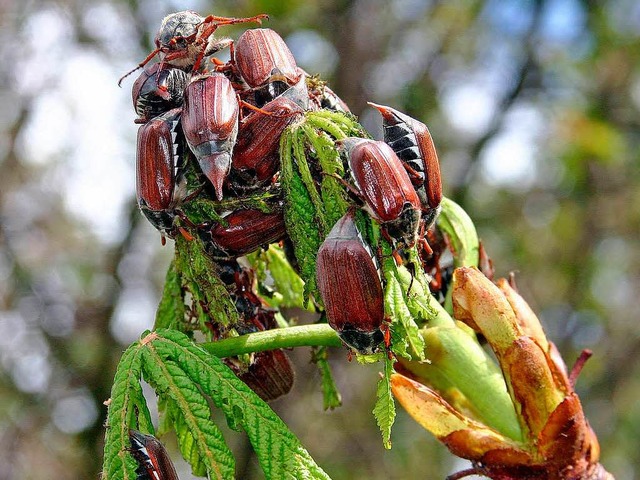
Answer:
x=263 y=60
x=185 y=38
x=210 y=125
x=158 y=90
x=411 y=141
x=160 y=186
x=384 y=185
x=256 y=155
x=270 y=374
x=153 y=460
x=350 y=285
x=243 y=232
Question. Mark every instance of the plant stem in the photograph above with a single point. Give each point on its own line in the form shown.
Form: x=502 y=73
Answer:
x=300 y=336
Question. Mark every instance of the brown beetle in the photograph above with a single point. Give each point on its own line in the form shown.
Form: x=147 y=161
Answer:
x=244 y=232
x=159 y=188
x=385 y=187
x=256 y=156
x=185 y=38
x=210 y=124
x=350 y=286
x=153 y=460
x=158 y=90
x=270 y=374
x=411 y=141
x=265 y=63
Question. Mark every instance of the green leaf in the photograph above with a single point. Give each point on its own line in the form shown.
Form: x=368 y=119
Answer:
x=333 y=193
x=424 y=308
x=288 y=287
x=211 y=299
x=126 y=400
x=193 y=426
x=405 y=334
x=171 y=311
x=385 y=408
x=403 y=326
x=300 y=216
x=279 y=452
x=173 y=419
x=458 y=226
x=330 y=393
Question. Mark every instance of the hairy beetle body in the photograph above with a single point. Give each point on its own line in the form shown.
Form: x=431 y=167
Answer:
x=185 y=38
x=210 y=124
x=350 y=286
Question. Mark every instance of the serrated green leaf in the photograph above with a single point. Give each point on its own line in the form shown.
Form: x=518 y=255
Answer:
x=172 y=419
x=331 y=395
x=299 y=213
x=126 y=401
x=211 y=299
x=279 y=452
x=403 y=326
x=332 y=191
x=405 y=334
x=286 y=282
x=385 y=408
x=171 y=311
x=163 y=371
x=302 y=164
x=424 y=308
x=201 y=210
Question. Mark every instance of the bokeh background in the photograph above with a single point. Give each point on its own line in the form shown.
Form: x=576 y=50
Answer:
x=534 y=107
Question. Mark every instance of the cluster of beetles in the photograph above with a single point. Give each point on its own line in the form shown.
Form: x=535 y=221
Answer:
x=231 y=116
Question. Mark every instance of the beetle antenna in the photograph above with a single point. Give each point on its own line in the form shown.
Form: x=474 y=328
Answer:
x=140 y=65
x=127 y=74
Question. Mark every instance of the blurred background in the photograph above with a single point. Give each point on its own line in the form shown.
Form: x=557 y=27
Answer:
x=534 y=108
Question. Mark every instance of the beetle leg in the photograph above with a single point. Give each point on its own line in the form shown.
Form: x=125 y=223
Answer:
x=252 y=107
x=353 y=191
x=187 y=236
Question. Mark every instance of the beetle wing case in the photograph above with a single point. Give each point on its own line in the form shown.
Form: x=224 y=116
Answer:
x=350 y=287
x=153 y=460
x=210 y=124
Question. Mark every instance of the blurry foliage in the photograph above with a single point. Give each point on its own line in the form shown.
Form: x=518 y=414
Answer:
x=534 y=107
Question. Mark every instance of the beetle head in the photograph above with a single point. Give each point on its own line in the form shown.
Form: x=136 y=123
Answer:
x=177 y=29
x=365 y=343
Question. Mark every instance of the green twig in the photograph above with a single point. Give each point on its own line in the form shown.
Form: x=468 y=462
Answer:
x=301 y=336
